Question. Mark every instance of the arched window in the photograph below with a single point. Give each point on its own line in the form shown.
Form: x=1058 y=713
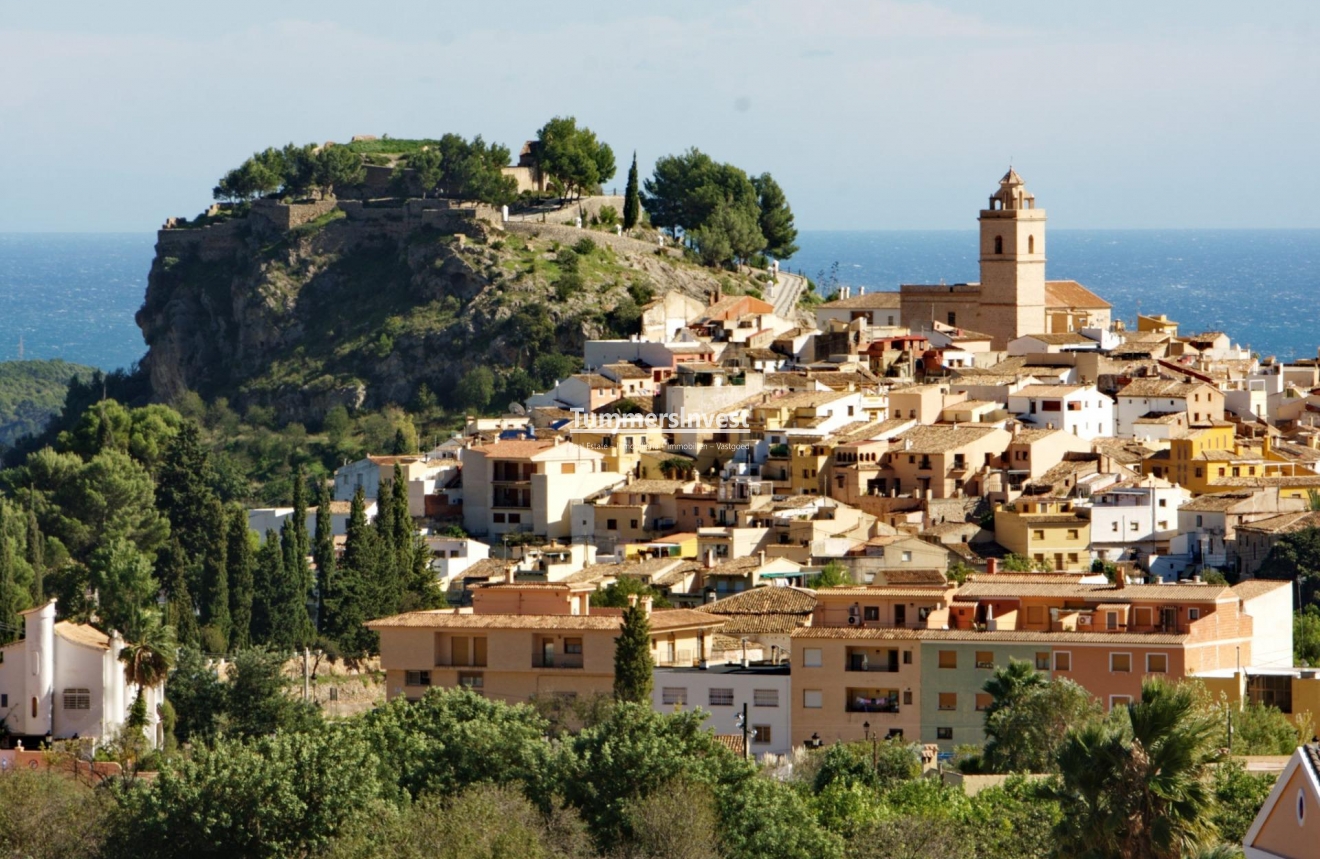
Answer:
x=1031 y=244
x=999 y=244
x=34 y=708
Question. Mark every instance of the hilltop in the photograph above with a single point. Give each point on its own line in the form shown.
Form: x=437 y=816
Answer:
x=303 y=306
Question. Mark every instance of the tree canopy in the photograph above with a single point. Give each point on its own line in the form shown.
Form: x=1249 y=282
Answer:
x=573 y=156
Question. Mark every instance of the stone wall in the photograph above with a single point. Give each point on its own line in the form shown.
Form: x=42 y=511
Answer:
x=399 y=217
x=568 y=235
x=216 y=241
x=286 y=216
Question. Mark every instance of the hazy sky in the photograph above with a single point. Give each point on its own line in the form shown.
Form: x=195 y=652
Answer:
x=879 y=115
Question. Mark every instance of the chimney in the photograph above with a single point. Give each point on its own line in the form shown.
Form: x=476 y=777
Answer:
x=632 y=600
x=646 y=606
x=1120 y=579
x=510 y=575
x=710 y=559
x=760 y=558
x=991 y=566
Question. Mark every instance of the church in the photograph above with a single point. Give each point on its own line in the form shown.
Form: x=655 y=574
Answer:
x=1013 y=297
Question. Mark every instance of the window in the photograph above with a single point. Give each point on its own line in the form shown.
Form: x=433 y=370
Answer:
x=473 y=680
x=760 y=734
x=1043 y=661
x=568 y=468
x=944 y=733
x=948 y=700
x=985 y=659
x=1038 y=535
x=999 y=244
x=1164 y=502
x=611 y=524
x=515 y=518
x=871 y=612
x=1198 y=518
x=765 y=697
x=1157 y=663
x=812 y=699
x=417 y=678
x=983 y=701
x=907 y=697
x=721 y=698
x=907 y=557
x=1062 y=660
x=499 y=518
x=907 y=657
x=1072 y=533
x=479 y=651
x=34 y=707
x=1120 y=663
x=811 y=657
x=1031 y=244
x=1119 y=701
x=1111 y=620
x=4 y=701
x=1114 y=527
x=573 y=645
x=1193 y=614
x=673 y=695
x=953 y=318
x=948 y=659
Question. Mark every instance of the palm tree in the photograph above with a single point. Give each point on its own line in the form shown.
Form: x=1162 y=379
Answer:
x=147 y=662
x=1009 y=684
x=1136 y=786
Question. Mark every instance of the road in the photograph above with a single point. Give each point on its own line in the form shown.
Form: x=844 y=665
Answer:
x=785 y=294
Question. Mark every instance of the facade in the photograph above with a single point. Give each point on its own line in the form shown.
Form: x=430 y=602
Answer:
x=942 y=461
x=721 y=690
x=1287 y=825
x=529 y=486
x=1080 y=410
x=63 y=680
x=1133 y=520
x=521 y=640
x=1201 y=402
x=1046 y=530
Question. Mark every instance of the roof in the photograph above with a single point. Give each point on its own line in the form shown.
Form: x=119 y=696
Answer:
x=1047 y=390
x=1252 y=588
x=866 y=301
x=1287 y=523
x=1215 y=502
x=625 y=370
x=79 y=633
x=972 y=637
x=887 y=591
x=1062 y=338
x=595 y=380
x=1070 y=293
x=916 y=577
x=762 y=624
x=392 y=460
x=765 y=600
x=515 y=449
x=939 y=439
x=654 y=487
x=661 y=620
x=1160 y=388
x=981 y=588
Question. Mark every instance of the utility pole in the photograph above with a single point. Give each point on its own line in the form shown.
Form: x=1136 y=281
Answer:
x=746 y=731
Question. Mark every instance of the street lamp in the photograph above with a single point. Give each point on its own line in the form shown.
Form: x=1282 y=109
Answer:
x=866 y=730
x=815 y=742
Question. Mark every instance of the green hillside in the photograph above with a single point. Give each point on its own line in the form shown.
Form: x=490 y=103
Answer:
x=31 y=393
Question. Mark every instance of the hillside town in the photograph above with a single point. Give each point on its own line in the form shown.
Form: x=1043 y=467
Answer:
x=855 y=518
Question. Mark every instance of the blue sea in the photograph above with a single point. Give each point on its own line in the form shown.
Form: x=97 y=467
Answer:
x=73 y=296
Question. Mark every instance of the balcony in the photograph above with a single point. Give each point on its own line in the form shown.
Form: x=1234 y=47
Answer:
x=872 y=701
x=563 y=660
x=872 y=660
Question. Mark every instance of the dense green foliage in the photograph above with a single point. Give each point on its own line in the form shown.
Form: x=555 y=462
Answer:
x=461 y=169
x=632 y=656
x=724 y=215
x=1296 y=558
x=293 y=171
x=1029 y=717
x=572 y=156
x=1306 y=636
x=31 y=393
x=632 y=200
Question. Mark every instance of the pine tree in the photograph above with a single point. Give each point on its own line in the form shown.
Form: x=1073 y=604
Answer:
x=240 y=565
x=215 y=578
x=36 y=555
x=632 y=657
x=269 y=571
x=180 y=613
x=183 y=489
x=632 y=204
x=323 y=554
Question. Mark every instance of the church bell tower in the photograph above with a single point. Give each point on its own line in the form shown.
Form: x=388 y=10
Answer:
x=1012 y=263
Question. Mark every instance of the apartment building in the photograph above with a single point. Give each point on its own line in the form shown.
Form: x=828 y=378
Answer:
x=524 y=639
x=1045 y=530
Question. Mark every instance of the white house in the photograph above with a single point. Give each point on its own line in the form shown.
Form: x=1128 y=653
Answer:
x=263 y=519
x=722 y=690
x=423 y=475
x=65 y=680
x=451 y=556
x=1134 y=520
x=1077 y=409
x=1201 y=402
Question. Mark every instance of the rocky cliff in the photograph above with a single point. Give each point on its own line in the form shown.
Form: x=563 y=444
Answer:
x=362 y=305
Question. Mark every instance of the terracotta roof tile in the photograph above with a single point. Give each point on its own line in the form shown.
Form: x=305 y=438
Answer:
x=1252 y=588
x=1070 y=293
x=972 y=637
x=765 y=600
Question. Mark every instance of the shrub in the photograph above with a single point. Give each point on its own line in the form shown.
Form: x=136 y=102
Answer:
x=585 y=246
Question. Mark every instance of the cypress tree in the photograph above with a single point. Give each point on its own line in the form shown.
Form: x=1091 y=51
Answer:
x=352 y=595
x=323 y=553
x=632 y=657
x=215 y=578
x=632 y=204
x=242 y=579
x=401 y=524
x=36 y=555
x=183 y=489
x=180 y=612
x=10 y=602
x=296 y=562
x=269 y=571
x=290 y=621
x=384 y=573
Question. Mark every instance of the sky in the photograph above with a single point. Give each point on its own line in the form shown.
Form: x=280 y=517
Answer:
x=871 y=115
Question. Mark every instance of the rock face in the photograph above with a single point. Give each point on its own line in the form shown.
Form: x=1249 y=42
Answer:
x=361 y=307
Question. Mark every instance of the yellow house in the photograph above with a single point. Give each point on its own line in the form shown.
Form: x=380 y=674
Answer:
x=1288 y=824
x=1294 y=691
x=620 y=439
x=1046 y=530
x=1211 y=460
x=525 y=639
x=806 y=462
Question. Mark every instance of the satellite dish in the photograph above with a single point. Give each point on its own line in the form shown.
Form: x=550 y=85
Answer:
x=516 y=408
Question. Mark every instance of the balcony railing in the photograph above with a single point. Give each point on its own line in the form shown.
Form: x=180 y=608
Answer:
x=562 y=661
